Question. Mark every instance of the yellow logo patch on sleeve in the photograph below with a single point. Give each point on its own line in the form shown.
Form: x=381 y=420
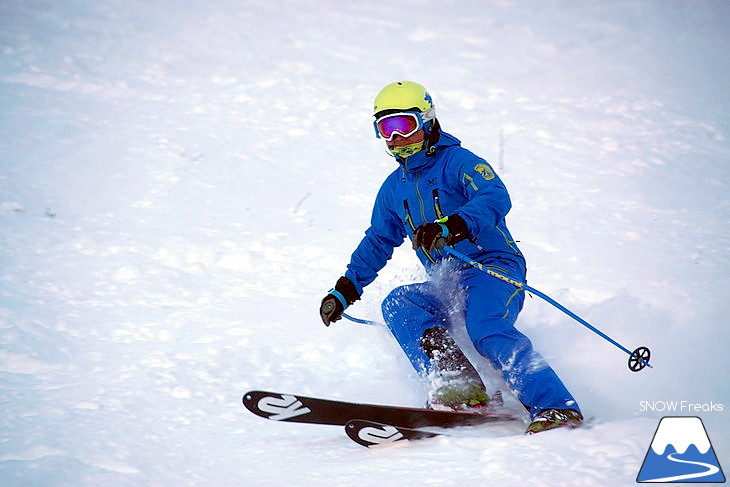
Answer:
x=485 y=171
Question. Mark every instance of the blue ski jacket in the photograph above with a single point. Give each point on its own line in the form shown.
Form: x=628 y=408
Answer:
x=429 y=185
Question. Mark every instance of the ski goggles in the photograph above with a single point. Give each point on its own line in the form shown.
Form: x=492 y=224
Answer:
x=404 y=124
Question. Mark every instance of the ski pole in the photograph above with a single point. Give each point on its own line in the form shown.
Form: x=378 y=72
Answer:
x=361 y=321
x=638 y=359
x=329 y=306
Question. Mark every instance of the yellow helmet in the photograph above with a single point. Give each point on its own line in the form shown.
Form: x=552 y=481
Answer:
x=404 y=96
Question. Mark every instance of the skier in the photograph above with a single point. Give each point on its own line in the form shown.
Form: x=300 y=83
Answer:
x=442 y=194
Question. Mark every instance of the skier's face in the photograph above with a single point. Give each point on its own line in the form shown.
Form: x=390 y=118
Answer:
x=400 y=141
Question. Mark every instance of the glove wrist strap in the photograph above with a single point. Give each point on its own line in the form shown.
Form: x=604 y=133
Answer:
x=340 y=297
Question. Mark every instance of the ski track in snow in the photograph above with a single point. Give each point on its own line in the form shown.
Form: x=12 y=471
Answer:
x=181 y=183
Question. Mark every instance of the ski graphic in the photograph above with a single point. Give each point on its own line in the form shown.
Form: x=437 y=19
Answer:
x=371 y=433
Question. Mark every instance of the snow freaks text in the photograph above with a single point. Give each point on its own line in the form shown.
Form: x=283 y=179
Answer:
x=680 y=407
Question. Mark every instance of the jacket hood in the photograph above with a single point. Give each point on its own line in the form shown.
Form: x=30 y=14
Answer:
x=422 y=159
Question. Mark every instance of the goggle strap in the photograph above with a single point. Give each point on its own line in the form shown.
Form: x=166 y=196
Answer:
x=429 y=114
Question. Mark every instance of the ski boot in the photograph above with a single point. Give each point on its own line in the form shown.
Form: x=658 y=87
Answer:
x=459 y=396
x=548 y=419
x=459 y=385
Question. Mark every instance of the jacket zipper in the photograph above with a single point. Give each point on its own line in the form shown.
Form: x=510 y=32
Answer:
x=420 y=199
x=409 y=221
x=437 y=204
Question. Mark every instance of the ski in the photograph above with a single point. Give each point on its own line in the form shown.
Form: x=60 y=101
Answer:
x=371 y=433
x=301 y=409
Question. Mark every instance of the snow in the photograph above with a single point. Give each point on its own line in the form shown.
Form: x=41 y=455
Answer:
x=181 y=182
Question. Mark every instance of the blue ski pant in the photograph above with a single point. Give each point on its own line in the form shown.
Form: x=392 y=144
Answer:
x=490 y=309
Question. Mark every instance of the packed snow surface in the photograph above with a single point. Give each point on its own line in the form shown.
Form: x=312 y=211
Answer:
x=182 y=181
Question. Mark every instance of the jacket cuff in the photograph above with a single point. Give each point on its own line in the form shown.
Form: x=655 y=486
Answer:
x=347 y=289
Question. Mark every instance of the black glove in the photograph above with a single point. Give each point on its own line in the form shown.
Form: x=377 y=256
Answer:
x=332 y=306
x=446 y=231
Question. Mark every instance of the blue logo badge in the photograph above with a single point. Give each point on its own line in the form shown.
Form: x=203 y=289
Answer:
x=680 y=452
